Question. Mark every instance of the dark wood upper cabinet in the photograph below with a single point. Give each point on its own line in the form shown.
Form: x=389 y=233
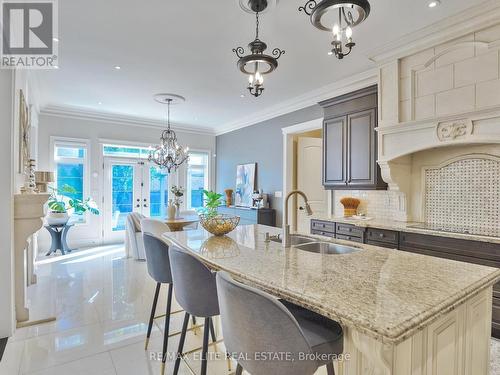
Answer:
x=350 y=142
x=335 y=142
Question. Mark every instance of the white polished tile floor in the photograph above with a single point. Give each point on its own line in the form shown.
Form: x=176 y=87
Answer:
x=102 y=302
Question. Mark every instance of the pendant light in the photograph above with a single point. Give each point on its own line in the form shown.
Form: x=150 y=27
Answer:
x=168 y=154
x=257 y=63
x=346 y=15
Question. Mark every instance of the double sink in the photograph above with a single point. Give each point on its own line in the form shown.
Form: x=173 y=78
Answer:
x=313 y=245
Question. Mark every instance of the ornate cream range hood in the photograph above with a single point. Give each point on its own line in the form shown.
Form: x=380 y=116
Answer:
x=439 y=105
x=398 y=141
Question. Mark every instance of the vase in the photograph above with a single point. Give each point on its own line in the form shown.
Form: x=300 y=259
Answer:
x=229 y=197
x=57 y=218
x=177 y=211
x=171 y=211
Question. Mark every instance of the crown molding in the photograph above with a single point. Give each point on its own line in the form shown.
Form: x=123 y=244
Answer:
x=114 y=118
x=453 y=27
x=341 y=87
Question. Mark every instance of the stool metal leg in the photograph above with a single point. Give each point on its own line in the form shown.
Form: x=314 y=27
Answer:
x=239 y=370
x=167 y=325
x=205 y=347
x=212 y=330
x=330 y=370
x=181 y=344
x=151 y=318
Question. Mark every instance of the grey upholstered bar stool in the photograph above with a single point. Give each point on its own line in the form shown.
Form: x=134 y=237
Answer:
x=254 y=322
x=158 y=264
x=196 y=293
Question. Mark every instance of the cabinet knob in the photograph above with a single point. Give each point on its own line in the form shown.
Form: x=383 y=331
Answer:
x=381 y=235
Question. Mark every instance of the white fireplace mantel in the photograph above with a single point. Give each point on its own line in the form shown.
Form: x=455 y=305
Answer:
x=28 y=215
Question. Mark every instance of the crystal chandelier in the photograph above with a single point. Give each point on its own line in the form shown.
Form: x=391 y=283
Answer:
x=168 y=154
x=257 y=63
x=346 y=14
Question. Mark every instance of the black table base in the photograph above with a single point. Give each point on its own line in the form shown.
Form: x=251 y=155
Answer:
x=58 y=234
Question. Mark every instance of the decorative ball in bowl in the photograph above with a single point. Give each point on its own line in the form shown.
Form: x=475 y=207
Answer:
x=220 y=224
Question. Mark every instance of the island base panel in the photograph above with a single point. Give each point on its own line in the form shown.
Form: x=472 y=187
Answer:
x=456 y=343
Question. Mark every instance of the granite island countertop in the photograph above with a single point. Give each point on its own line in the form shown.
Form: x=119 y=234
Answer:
x=386 y=294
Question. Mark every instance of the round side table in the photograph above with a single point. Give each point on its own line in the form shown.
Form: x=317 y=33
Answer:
x=58 y=234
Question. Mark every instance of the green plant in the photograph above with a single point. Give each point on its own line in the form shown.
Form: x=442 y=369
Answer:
x=60 y=203
x=212 y=202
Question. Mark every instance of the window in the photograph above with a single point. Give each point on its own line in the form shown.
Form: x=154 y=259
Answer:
x=197 y=179
x=70 y=168
x=125 y=151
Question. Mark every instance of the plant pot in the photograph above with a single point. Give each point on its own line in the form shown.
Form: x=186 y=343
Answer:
x=57 y=218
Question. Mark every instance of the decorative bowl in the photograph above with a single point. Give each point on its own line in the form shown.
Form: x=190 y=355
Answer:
x=219 y=225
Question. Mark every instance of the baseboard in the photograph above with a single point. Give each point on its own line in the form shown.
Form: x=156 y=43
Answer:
x=3 y=343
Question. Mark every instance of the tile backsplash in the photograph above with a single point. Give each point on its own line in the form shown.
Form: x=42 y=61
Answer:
x=464 y=193
x=382 y=205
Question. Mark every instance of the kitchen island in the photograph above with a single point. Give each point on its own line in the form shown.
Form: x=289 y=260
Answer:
x=402 y=313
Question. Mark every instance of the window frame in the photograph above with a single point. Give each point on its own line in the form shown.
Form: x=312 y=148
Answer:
x=73 y=143
x=208 y=177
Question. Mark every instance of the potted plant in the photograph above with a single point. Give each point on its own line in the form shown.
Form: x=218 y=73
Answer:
x=211 y=220
x=59 y=204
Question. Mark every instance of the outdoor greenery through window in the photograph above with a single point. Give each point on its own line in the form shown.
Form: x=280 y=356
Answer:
x=70 y=160
x=197 y=179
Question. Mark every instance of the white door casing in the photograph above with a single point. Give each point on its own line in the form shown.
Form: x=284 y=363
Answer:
x=309 y=165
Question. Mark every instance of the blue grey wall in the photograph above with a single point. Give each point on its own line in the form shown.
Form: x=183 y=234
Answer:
x=261 y=143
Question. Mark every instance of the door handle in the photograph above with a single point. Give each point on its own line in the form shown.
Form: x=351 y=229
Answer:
x=138 y=205
x=145 y=205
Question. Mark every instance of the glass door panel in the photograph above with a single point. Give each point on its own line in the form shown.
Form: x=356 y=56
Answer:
x=132 y=185
x=158 y=192
x=122 y=194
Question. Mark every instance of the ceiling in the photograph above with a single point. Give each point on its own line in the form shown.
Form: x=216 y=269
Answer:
x=185 y=47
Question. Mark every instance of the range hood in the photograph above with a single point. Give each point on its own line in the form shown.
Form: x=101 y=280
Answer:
x=439 y=115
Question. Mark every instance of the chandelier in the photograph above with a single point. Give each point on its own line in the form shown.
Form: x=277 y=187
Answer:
x=257 y=63
x=346 y=14
x=168 y=154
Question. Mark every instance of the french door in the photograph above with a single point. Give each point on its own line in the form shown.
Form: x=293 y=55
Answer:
x=131 y=186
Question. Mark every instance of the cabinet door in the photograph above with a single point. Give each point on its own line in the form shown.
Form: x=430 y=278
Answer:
x=335 y=152
x=361 y=163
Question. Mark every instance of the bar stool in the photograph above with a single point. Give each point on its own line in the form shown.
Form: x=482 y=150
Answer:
x=253 y=322
x=196 y=293
x=158 y=264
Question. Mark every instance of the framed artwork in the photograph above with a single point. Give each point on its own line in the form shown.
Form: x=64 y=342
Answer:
x=245 y=184
x=24 y=132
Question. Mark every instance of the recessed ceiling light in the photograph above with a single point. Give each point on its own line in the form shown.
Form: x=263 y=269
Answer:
x=100 y=103
x=117 y=67
x=330 y=53
x=242 y=96
x=56 y=66
x=433 y=3
x=55 y=39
